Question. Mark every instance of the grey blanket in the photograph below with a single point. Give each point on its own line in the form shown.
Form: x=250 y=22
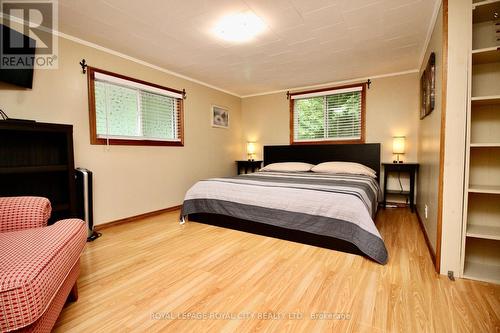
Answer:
x=338 y=206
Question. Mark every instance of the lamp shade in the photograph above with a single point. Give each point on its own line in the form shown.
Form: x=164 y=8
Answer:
x=398 y=145
x=251 y=148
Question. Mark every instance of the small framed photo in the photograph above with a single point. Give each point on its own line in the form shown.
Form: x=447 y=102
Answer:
x=220 y=117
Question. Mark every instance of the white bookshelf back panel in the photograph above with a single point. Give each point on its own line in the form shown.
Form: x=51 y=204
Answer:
x=486 y=79
x=484 y=167
x=484 y=35
x=484 y=210
x=483 y=251
x=485 y=124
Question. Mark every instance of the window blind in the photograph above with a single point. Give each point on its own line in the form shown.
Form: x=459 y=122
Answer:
x=328 y=115
x=133 y=111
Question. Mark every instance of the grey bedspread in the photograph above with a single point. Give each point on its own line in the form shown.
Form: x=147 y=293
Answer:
x=338 y=206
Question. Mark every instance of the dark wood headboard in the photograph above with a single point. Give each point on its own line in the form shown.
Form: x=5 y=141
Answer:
x=367 y=154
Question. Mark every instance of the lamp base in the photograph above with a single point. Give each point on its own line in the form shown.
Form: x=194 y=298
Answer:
x=397 y=161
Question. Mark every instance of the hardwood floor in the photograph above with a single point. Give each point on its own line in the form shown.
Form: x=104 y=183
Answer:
x=139 y=274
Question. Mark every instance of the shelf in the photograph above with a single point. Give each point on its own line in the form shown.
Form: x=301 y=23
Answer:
x=476 y=3
x=483 y=231
x=487 y=189
x=398 y=192
x=33 y=169
x=485 y=100
x=483 y=11
x=482 y=272
x=485 y=145
x=486 y=56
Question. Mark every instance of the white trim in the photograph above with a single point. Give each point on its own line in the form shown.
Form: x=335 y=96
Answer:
x=132 y=84
x=429 y=33
x=411 y=71
x=161 y=69
x=140 y=62
x=137 y=138
x=328 y=92
x=124 y=56
x=338 y=138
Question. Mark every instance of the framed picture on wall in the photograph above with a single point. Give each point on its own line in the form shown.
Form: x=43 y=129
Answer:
x=220 y=117
x=428 y=87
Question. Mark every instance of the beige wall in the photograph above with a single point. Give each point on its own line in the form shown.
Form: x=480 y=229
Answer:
x=429 y=141
x=392 y=110
x=131 y=180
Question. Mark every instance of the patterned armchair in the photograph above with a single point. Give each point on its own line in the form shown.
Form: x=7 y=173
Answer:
x=39 y=264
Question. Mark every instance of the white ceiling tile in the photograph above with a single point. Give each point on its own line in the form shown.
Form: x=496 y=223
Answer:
x=347 y=5
x=362 y=33
x=331 y=32
x=305 y=42
x=301 y=32
x=279 y=15
x=323 y=17
x=304 y=7
x=408 y=11
x=365 y=16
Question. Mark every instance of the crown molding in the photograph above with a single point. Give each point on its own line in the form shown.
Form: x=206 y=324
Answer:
x=429 y=32
x=164 y=70
x=141 y=62
x=127 y=57
x=334 y=83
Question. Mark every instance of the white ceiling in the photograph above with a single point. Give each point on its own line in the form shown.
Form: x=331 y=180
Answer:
x=306 y=42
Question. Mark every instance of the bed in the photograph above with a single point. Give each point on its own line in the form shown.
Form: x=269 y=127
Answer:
x=331 y=211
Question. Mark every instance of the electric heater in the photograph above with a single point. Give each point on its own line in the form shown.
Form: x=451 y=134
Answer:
x=84 y=200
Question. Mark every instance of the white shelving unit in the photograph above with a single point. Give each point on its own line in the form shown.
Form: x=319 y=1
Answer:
x=484 y=189
x=487 y=55
x=483 y=231
x=481 y=223
x=485 y=100
x=485 y=145
x=481 y=272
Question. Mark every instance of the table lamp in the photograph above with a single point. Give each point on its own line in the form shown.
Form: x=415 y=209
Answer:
x=251 y=150
x=398 y=147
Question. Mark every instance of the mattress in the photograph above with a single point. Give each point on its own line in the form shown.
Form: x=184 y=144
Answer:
x=340 y=206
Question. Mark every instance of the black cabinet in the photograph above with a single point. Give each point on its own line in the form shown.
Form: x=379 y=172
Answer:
x=246 y=165
x=410 y=168
x=36 y=159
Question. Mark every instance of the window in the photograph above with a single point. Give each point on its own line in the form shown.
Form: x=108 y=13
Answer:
x=334 y=115
x=126 y=111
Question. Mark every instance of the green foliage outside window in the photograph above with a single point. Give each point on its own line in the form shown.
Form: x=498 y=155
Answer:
x=336 y=116
x=122 y=111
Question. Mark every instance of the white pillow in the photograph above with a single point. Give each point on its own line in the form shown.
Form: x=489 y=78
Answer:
x=345 y=167
x=288 y=167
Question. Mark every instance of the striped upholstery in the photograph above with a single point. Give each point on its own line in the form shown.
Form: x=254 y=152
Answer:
x=18 y=213
x=35 y=263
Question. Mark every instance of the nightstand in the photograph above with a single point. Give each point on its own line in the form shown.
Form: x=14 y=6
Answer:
x=410 y=168
x=248 y=165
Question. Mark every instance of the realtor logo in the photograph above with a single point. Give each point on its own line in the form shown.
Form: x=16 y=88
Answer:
x=27 y=34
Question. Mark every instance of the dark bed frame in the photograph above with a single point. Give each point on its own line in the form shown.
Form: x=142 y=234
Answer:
x=367 y=154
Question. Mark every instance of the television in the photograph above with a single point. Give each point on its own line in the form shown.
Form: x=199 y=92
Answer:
x=15 y=47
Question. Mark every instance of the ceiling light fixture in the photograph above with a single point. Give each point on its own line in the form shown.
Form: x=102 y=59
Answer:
x=240 y=27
